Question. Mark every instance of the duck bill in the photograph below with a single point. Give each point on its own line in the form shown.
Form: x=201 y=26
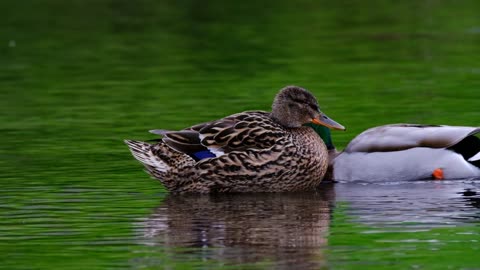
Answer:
x=327 y=122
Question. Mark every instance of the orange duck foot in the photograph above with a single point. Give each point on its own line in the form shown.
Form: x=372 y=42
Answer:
x=437 y=174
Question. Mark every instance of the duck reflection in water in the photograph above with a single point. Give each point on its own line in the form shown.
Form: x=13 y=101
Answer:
x=284 y=229
x=289 y=230
x=417 y=205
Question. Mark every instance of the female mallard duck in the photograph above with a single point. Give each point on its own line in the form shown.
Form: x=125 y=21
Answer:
x=408 y=152
x=253 y=151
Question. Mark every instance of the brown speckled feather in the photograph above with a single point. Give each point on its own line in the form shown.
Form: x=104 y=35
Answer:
x=247 y=130
x=260 y=155
x=254 y=151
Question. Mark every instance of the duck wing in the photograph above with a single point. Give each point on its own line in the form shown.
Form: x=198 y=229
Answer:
x=237 y=132
x=399 y=137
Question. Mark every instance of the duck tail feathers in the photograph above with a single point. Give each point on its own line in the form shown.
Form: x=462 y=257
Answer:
x=475 y=157
x=161 y=161
x=142 y=152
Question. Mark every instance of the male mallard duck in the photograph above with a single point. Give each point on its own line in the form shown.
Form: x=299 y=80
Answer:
x=409 y=152
x=253 y=151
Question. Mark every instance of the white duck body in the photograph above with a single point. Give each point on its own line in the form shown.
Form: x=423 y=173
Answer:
x=402 y=152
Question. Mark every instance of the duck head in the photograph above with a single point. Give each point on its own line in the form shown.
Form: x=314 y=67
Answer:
x=294 y=106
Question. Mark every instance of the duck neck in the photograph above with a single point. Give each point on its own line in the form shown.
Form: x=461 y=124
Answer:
x=324 y=133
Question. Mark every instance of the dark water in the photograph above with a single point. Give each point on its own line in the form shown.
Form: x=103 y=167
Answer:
x=281 y=230
x=412 y=206
x=78 y=77
x=302 y=230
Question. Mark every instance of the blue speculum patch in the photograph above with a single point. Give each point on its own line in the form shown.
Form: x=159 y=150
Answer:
x=203 y=155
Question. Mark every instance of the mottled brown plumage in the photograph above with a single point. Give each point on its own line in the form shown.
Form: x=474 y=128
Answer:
x=255 y=151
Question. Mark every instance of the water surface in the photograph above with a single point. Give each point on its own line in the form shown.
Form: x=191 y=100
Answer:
x=78 y=77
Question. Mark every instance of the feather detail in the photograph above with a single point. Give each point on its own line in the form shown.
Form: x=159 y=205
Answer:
x=410 y=152
x=253 y=151
x=159 y=131
x=203 y=155
x=142 y=152
x=475 y=157
x=405 y=136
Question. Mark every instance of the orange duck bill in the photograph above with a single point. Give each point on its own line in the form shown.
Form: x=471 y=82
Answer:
x=327 y=122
